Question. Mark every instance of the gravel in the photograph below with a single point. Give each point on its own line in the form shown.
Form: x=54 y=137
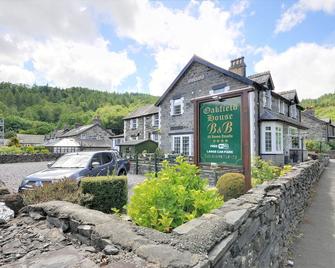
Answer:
x=12 y=174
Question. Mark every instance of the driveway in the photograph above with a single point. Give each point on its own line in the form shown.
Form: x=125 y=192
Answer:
x=12 y=174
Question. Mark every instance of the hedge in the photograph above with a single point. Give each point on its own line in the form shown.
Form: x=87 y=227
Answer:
x=107 y=192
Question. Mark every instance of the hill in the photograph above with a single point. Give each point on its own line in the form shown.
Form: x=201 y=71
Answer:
x=324 y=106
x=41 y=109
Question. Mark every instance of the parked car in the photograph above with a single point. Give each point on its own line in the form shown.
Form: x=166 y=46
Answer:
x=76 y=166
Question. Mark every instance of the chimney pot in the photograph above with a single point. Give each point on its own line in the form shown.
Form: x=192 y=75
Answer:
x=238 y=66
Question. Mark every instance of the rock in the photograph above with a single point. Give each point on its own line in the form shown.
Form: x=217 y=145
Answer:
x=111 y=250
x=5 y=213
x=11 y=247
x=85 y=230
x=13 y=201
x=36 y=216
x=3 y=188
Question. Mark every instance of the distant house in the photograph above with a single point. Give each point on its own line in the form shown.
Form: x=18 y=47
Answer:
x=142 y=124
x=30 y=140
x=83 y=138
x=318 y=129
x=116 y=141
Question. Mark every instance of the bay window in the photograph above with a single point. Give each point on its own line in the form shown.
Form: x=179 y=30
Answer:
x=271 y=138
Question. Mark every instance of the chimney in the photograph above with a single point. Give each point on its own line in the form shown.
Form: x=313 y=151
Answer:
x=96 y=120
x=310 y=111
x=238 y=66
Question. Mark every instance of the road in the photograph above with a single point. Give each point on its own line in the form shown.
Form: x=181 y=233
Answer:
x=316 y=247
x=12 y=174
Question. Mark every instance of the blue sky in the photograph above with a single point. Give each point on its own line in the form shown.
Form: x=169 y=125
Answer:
x=140 y=45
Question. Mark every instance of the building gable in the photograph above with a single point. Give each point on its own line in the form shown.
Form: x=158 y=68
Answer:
x=198 y=77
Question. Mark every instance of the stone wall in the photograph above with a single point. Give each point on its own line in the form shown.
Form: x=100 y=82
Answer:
x=251 y=231
x=20 y=158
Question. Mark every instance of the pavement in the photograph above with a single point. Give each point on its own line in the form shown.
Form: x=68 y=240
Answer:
x=316 y=245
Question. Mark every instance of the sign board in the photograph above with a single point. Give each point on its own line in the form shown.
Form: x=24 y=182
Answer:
x=220 y=137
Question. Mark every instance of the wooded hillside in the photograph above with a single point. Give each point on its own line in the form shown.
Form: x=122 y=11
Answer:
x=40 y=109
x=324 y=106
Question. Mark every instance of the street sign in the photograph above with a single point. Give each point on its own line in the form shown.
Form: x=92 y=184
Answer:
x=220 y=136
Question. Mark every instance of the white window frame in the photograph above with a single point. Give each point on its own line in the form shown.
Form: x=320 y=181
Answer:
x=155 y=137
x=174 y=103
x=281 y=106
x=155 y=120
x=134 y=123
x=293 y=111
x=293 y=133
x=190 y=145
x=267 y=99
x=277 y=141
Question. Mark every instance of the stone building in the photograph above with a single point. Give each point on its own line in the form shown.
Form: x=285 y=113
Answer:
x=318 y=129
x=142 y=124
x=30 y=140
x=275 y=118
x=80 y=138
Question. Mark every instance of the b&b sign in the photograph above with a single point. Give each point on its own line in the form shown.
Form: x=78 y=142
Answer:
x=220 y=132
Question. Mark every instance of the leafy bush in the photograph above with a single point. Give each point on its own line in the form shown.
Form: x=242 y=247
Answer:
x=107 y=192
x=317 y=146
x=174 y=197
x=24 y=150
x=262 y=171
x=231 y=185
x=64 y=190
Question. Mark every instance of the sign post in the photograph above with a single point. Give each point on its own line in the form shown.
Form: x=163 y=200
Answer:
x=222 y=132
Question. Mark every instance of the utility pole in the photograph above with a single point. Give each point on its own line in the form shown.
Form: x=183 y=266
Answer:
x=2 y=131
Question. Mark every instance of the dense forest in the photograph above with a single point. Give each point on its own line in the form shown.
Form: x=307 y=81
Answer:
x=324 y=106
x=41 y=109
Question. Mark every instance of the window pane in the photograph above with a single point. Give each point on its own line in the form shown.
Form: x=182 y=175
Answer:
x=177 y=109
x=176 y=142
x=186 y=145
x=278 y=139
x=268 y=141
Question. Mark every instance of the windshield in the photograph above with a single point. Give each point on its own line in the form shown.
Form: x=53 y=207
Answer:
x=72 y=161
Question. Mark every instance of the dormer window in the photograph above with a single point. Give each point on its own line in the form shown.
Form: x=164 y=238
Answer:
x=293 y=111
x=281 y=106
x=177 y=106
x=267 y=99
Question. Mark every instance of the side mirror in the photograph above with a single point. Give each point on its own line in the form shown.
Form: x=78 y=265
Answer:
x=50 y=164
x=95 y=164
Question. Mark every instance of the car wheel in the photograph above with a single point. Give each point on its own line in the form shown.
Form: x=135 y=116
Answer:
x=122 y=172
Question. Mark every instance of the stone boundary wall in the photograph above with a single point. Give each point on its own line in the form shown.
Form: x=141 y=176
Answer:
x=20 y=158
x=253 y=230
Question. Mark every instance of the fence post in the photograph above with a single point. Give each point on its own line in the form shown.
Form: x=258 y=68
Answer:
x=136 y=161
x=156 y=167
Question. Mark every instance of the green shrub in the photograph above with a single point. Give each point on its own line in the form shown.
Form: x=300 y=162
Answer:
x=231 y=185
x=174 y=197
x=317 y=146
x=64 y=190
x=262 y=171
x=107 y=192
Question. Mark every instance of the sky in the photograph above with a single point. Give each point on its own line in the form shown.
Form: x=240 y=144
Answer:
x=141 y=46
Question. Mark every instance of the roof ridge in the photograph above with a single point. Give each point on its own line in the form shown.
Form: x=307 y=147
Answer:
x=259 y=74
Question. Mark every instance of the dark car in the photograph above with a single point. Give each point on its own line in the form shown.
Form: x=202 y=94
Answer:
x=78 y=165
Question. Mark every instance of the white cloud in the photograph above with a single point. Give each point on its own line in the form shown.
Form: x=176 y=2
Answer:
x=16 y=74
x=62 y=40
x=174 y=35
x=68 y=63
x=306 y=67
x=296 y=13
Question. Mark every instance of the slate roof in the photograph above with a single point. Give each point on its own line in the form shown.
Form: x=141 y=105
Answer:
x=262 y=78
x=268 y=115
x=78 y=130
x=134 y=142
x=142 y=111
x=30 y=139
x=289 y=95
x=197 y=59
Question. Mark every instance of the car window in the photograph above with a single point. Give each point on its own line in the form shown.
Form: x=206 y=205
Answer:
x=116 y=155
x=97 y=158
x=72 y=161
x=106 y=158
